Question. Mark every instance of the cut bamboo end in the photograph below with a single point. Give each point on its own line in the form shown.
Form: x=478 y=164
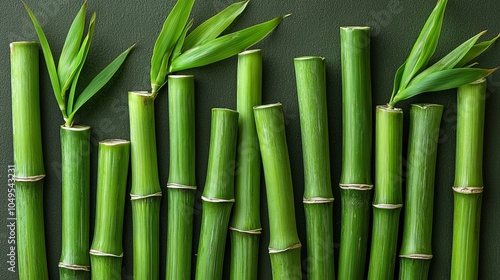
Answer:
x=248 y=231
x=180 y=76
x=141 y=93
x=104 y=254
x=356 y=187
x=74 y=267
x=318 y=200
x=114 y=142
x=76 y=127
x=180 y=186
x=417 y=256
x=277 y=251
x=468 y=190
x=138 y=197
x=267 y=106
x=216 y=200
x=35 y=178
x=347 y=28
x=388 y=206
x=310 y=57
x=249 y=52
x=389 y=109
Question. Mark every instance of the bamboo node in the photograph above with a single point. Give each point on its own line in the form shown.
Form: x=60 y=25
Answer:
x=357 y=187
x=103 y=254
x=388 y=206
x=318 y=200
x=35 y=178
x=216 y=200
x=137 y=197
x=74 y=266
x=468 y=190
x=248 y=231
x=417 y=256
x=276 y=251
x=180 y=186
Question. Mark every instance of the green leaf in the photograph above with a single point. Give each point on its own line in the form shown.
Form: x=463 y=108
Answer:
x=49 y=60
x=442 y=80
x=214 y=26
x=100 y=80
x=81 y=58
x=224 y=47
x=172 y=29
x=67 y=62
x=425 y=45
x=397 y=81
x=476 y=50
x=180 y=43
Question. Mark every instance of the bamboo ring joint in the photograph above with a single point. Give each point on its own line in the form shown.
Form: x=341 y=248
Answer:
x=74 y=266
x=276 y=251
x=468 y=190
x=216 y=200
x=180 y=186
x=388 y=206
x=417 y=256
x=103 y=254
x=357 y=187
x=318 y=200
x=35 y=178
x=137 y=197
x=249 y=231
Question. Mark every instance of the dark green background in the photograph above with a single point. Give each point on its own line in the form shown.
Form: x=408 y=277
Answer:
x=313 y=29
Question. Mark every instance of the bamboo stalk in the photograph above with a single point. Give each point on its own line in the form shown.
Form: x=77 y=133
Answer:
x=146 y=192
x=388 y=198
x=28 y=160
x=75 y=149
x=284 y=244
x=318 y=196
x=181 y=185
x=355 y=181
x=106 y=253
x=245 y=223
x=468 y=180
x=416 y=249
x=218 y=194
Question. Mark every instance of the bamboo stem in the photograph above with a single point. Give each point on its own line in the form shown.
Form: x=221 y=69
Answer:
x=218 y=194
x=28 y=160
x=146 y=192
x=181 y=185
x=245 y=224
x=468 y=181
x=106 y=253
x=318 y=195
x=416 y=249
x=75 y=150
x=388 y=199
x=284 y=244
x=355 y=181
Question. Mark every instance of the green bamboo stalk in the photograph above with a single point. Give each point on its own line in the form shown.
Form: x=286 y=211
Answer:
x=181 y=185
x=218 y=194
x=468 y=180
x=284 y=244
x=106 y=252
x=75 y=150
x=355 y=181
x=388 y=198
x=146 y=192
x=318 y=196
x=245 y=223
x=416 y=249
x=28 y=160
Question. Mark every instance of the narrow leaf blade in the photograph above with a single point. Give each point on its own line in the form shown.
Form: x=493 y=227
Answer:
x=214 y=26
x=476 y=50
x=397 y=81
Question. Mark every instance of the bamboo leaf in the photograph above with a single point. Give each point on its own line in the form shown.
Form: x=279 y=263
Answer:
x=49 y=60
x=397 y=82
x=476 y=50
x=442 y=80
x=172 y=29
x=100 y=80
x=180 y=43
x=224 y=47
x=67 y=62
x=425 y=45
x=214 y=26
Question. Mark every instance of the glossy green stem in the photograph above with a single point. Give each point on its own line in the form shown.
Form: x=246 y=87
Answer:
x=416 y=249
x=106 y=252
x=218 y=194
x=284 y=243
x=245 y=222
x=146 y=191
x=356 y=151
x=75 y=150
x=388 y=198
x=181 y=185
x=28 y=159
x=468 y=174
x=318 y=196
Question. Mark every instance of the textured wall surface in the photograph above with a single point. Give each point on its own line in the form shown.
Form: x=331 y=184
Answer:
x=313 y=29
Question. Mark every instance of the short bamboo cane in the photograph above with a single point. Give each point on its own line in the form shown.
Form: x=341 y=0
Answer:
x=146 y=192
x=245 y=222
x=318 y=196
x=416 y=249
x=28 y=160
x=355 y=181
x=218 y=194
x=106 y=253
x=388 y=198
x=75 y=149
x=181 y=185
x=468 y=181
x=284 y=244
